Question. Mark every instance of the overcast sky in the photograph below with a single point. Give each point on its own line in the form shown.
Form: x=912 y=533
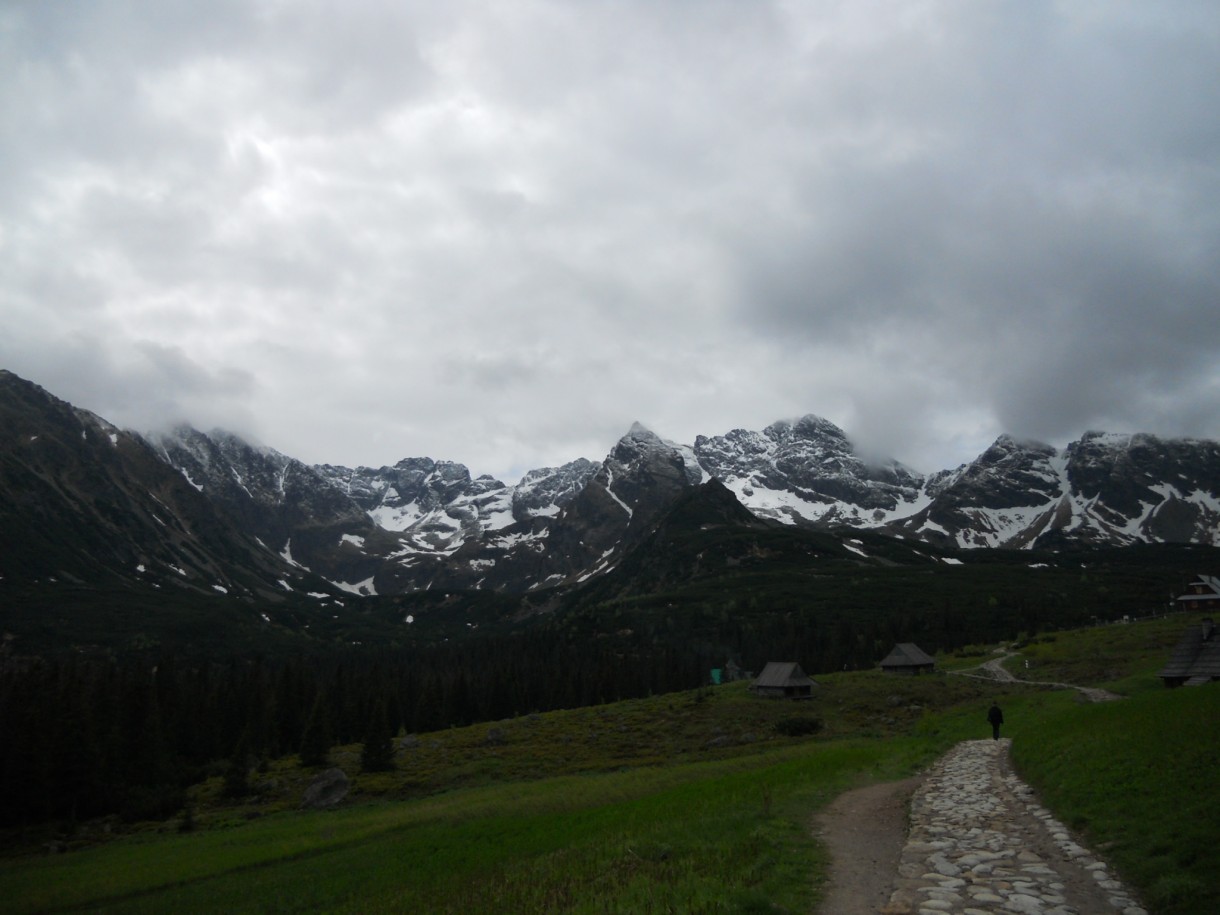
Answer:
x=499 y=232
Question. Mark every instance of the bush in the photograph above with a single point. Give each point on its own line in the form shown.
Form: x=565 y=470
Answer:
x=157 y=802
x=377 y=754
x=236 y=779
x=798 y=726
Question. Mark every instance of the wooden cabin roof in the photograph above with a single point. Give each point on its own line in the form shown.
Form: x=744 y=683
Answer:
x=779 y=674
x=907 y=654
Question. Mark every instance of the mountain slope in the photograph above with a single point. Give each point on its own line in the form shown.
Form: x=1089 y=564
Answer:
x=584 y=537
x=808 y=471
x=1103 y=490
x=366 y=530
x=215 y=512
x=84 y=502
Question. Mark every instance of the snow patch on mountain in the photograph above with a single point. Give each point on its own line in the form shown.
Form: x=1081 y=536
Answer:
x=430 y=521
x=361 y=588
x=286 y=555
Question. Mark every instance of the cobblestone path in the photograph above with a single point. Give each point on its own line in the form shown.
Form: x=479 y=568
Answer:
x=980 y=843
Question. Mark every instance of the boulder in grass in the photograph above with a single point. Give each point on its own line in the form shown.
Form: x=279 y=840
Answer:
x=327 y=790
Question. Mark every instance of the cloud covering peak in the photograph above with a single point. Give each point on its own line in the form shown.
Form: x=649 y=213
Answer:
x=500 y=232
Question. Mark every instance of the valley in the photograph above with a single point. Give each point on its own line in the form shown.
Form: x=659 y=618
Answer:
x=690 y=800
x=193 y=625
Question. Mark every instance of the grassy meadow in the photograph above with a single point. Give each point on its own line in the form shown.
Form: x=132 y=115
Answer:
x=687 y=802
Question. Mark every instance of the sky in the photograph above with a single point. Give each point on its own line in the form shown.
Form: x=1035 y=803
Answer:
x=501 y=232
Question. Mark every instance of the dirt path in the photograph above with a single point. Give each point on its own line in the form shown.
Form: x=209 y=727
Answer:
x=865 y=830
x=996 y=671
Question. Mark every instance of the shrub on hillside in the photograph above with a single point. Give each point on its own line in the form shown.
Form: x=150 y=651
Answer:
x=151 y=802
x=377 y=754
x=798 y=726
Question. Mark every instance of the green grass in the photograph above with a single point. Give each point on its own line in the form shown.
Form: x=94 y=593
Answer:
x=1138 y=779
x=689 y=802
x=692 y=837
x=667 y=730
x=1123 y=657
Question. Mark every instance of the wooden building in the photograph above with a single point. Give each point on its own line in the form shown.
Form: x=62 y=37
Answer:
x=908 y=658
x=1196 y=659
x=783 y=680
x=1202 y=596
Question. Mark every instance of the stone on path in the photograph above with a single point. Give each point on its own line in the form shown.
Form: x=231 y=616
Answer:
x=980 y=843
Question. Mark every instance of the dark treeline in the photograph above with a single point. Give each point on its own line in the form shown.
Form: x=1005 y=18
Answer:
x=85 y=736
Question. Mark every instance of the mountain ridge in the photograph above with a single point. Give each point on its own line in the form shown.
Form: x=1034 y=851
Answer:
x=423 y=523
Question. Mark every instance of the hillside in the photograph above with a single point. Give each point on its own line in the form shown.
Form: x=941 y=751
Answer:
x=704 y=577
x=675 y=799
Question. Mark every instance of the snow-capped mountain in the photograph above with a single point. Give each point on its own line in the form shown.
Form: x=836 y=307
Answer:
x=436 y=505
x=192 y=499
x=589 y=515
x=807 y=471
x=83 y=502
x=291 y=508
x=1104 y=489
x=365 y=530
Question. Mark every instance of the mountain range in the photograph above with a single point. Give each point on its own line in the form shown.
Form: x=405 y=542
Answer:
x=84 y=501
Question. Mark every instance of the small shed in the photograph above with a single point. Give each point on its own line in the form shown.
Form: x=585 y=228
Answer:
x=783 y=680
x=908 y=658
x=1196 y=659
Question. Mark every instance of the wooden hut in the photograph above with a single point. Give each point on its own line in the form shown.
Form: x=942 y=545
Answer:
x=783 y=680
x=1196 y=659
x=1202 y=595
x=908 y=658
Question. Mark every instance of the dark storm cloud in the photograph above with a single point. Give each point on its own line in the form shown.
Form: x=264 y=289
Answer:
x=1037 y=217
x=501 y=232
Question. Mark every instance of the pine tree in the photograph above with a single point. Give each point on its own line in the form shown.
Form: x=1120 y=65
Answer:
x=377 y=754
x=237 y=774
x=316 y=739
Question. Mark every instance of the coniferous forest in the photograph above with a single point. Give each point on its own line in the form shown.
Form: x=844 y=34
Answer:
x=124 y=726
x=89 y=736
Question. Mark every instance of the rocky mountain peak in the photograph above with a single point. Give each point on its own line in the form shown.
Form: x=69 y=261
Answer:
x=1006 y=446
x=427 y=523
x=1010 y=473
x=1096 y=437
x=806 y=470
x=643 y=451
x=809 y=426
x=639 y=440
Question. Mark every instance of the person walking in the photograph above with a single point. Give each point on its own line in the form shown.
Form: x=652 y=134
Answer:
x=996 y=718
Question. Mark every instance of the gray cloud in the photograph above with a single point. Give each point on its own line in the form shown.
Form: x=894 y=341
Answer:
x=501 y=232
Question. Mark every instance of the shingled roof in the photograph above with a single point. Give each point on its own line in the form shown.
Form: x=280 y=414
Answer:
x=908 y=654
x=781 y=674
